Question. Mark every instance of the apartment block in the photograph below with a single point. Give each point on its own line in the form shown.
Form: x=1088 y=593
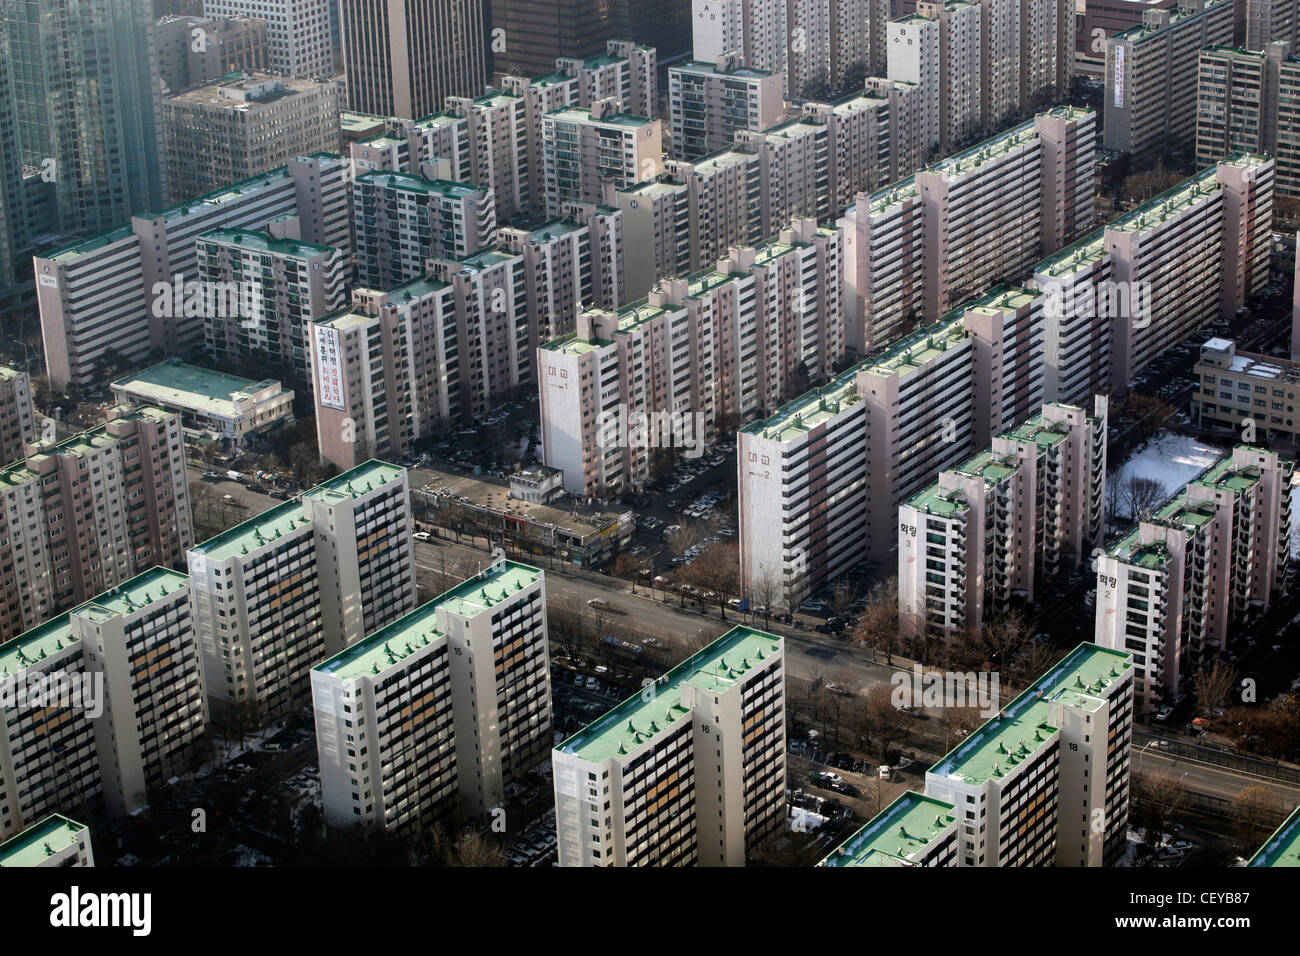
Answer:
x=298 y=32
x=940 y=49
x=1215 y=555
x=398 y=365
x=280 y=285
x=194 y=50
x=117 y=290
x=1271 y=21
x=18 y=425
x=709 y=102
x=1241 y=391
x=721 y=346
x=704 y=744
x=403 y=220
x=1047 y=50
x=1151 y=76
x=1283 y=847
x=756 y=29
x=85 y=514
x=55 y=841
x=988 y=531
x=440 y=710
x=920 y=246
x=584 y=148
x=821 y=479
x=1032 y=785
x=241 y=126
x=1247 y=101
x=276 y=595
x=914 y=830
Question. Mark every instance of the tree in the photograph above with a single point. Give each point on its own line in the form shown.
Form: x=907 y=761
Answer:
x=1142 y=495
x=877 y=626
x=764 y=591
x=1213 y=683
x=471 y=848
x=1256 y=812
x=1156 y=799
x=887 y=721
x=716 y=570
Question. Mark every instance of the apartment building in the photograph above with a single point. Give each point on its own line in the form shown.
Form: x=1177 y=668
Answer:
x=1047 y=51
x=90 y=512
x=914 y=830
x=18 y=425
x=440 y=710
x=1271 y=21
x=127 y=713
x=940 y=48
x=1283 y=847
x=988 y=531
x=923 y=244
x=756 y=29
x=281 y=285
x=117 y=291
x=1080 y=311
x=1247 y=102
x=639 y=786
x=276 y=595
x=1046 y=781
x=241 y=126
x=403 y=220
x=1245 y=392
x=709 y=102
x=194 y=50
x=404 y=59
x=721 y=346
x=1151 y=76
x=1215 y=555
x=399 y=365
x=821 y=479
x=584 y=148
x=298 y=32
x=55 y=841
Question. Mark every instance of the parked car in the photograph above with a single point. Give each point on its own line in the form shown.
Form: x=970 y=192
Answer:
x=422 y=536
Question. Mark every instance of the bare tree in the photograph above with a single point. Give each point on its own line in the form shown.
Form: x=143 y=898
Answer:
x=1213 y=682
x=1142 y=495
x=1156 y=799
x=877 y=626
x=1256 y=812
x=888 y=723
x=716 y=570
x=764 y=592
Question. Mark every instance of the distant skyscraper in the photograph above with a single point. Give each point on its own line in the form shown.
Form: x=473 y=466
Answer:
x=405 y=57
x=86 y=105
x=536 y=32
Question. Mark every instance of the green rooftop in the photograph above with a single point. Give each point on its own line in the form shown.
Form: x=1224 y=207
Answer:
x=638 y=720
x=135 y=595
x=1083 y=254
x=42 y=641
x=175 y=384
x=1022 y=728
x=897 y=835
x=83 y=443
x=796 y=418
x=355 y=482
x=41 y=841
x=265 y=243
x=412 y=183
x=391 y=645
x=1283 y=847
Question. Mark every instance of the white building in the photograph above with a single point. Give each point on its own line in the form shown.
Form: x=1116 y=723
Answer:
x=55 y=841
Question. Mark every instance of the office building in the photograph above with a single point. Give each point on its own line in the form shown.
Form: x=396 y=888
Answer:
x=403 y=220
x=86 y=107
x=55 y=841
x=244 y=125
x=721 y=346
x=299 y=41
x=282 y=284
x=440 y=710
x=85 y=514
x=1021 y=512
x=535 y=35
x=194 y=50
x=703 y=745
x=276 y=595
x=402 y=364
x=584 y=148
x=1214 y=556
x=212 y=405
x=1151 y=76
x=120 y=290
x=404 y=58
x=709 y=102
x=1235 y=390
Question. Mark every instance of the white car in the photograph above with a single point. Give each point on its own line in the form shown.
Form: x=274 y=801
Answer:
x=422 y=536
